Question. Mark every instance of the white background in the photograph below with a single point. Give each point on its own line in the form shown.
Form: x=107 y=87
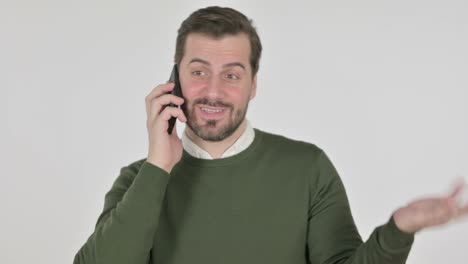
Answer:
x=381 y=86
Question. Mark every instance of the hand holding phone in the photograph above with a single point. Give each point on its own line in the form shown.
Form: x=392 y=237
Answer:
x=164 y=150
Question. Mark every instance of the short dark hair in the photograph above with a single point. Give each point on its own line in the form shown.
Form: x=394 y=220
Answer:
x=217 y=22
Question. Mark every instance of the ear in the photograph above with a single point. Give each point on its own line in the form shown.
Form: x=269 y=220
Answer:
x=253 y=92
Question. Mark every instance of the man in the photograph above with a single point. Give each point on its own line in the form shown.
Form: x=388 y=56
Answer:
x=230 y=193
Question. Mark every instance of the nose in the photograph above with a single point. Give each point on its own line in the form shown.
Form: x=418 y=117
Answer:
x=213 y=89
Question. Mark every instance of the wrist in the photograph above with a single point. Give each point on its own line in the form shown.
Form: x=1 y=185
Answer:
x=159 y=164
x=403 y=222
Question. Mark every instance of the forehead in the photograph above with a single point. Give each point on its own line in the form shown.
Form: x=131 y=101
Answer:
x=229 y=48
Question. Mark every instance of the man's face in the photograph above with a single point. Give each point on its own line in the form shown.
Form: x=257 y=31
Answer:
x=217 y=84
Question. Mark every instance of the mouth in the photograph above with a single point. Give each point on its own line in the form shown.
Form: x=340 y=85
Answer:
x=212 y=113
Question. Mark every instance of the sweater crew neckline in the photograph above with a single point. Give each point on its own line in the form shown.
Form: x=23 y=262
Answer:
x=199 y=162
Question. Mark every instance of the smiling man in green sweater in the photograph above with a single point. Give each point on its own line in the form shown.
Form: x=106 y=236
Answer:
x=229 y=193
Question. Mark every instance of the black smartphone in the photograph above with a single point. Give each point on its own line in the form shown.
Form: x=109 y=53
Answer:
x=177 y=91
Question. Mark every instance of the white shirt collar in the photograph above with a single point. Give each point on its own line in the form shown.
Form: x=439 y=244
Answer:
x=241 y=143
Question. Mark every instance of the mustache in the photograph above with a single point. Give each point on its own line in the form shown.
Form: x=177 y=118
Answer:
x=205 y=101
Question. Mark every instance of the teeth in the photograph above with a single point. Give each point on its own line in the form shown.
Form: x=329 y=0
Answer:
x=211 y=111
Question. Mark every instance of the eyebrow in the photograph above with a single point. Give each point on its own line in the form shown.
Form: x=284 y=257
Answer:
x=231 y=64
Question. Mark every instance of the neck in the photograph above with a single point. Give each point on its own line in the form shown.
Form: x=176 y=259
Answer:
x=216 y=149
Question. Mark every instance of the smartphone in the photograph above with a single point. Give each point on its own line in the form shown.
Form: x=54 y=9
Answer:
x=177 y=91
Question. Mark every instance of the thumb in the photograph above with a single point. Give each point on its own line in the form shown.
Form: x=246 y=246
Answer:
x=460 y=194
x=458 y=188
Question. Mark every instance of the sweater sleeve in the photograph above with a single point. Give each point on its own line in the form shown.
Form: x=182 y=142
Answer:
x=332 y=234
x=124 y=232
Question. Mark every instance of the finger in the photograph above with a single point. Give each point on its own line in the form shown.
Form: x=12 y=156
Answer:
x=459 y=194
x=162 y=101
x=169 y=112
x=162 y=121
x=156 y=92
x=443 y=211
x=461 y=197
x=161 y=89
x=439 y=208
x=458 y=187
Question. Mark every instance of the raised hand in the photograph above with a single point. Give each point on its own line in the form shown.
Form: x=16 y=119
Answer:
x=429 y=212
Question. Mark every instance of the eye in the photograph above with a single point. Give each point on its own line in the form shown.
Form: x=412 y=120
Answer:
x=232 y=76
x=198 y=73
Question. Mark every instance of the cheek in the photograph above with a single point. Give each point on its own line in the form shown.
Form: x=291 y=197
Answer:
x=235 y=97
x=238 y=95
x=191 y=89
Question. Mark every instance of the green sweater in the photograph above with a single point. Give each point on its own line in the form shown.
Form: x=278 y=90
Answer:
x=280 y=201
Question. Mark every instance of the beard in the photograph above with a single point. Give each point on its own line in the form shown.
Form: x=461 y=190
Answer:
x=212 y=130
